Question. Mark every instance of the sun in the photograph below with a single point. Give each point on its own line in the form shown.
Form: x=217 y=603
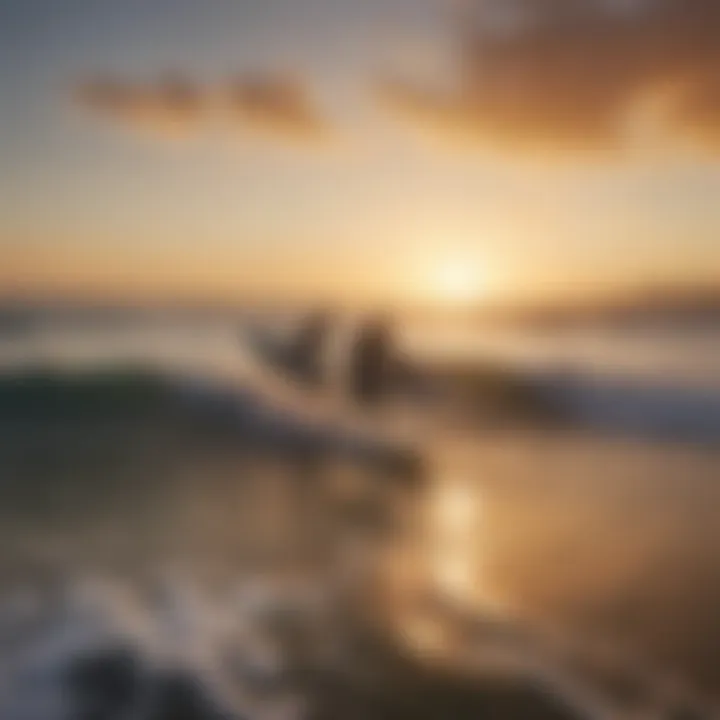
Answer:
x=458 y=282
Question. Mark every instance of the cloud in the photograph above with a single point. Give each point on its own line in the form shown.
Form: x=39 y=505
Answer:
x=574 y=74
x=278 y=107
x=173 y=106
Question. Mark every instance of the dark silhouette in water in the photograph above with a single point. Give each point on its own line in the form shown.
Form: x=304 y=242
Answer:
x=370 y=364
x=308 y=351
x=370 y=361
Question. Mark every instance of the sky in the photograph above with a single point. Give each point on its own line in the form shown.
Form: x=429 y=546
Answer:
x=361 y=150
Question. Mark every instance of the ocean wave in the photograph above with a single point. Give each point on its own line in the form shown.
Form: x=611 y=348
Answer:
x=253 y=412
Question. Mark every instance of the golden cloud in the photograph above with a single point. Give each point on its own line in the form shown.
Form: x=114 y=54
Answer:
x=574 y=73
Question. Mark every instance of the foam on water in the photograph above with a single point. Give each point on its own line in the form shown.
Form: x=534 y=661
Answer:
x=104 y=649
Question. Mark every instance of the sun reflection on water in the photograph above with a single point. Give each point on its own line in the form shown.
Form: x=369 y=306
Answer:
x=455 y=529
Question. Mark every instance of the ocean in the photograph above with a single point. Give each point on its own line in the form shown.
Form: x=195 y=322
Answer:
x=187 y=535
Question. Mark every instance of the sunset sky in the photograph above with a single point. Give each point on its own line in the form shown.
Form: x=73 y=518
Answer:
x=411 y=150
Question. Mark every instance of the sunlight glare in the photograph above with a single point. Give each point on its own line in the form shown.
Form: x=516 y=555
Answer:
x=458 y=282
x=457 y=516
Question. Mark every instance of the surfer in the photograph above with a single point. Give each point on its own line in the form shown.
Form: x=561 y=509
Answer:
x=370 y=365
x=370 y=360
